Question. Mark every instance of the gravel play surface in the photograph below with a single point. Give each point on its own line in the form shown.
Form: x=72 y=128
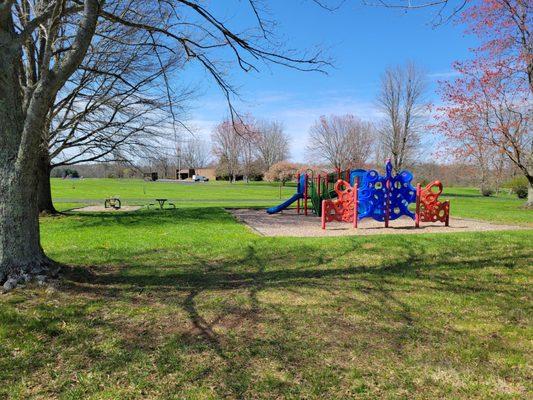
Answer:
x=289 y=223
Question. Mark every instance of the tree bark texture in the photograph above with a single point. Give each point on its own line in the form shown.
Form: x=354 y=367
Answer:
x=23 y=113
x=20 y=249
x=44 y=190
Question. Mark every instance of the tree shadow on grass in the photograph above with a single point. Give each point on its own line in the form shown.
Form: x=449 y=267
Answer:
x=147 y=218
x=250 y=271
x=291 y=311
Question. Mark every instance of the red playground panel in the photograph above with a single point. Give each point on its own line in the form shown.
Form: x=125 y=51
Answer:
x=344 y=207
x=428 y=206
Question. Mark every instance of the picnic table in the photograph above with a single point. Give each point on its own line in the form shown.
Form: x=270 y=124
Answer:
x=162 y=203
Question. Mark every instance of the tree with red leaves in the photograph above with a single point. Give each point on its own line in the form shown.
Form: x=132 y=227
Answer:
x=489 y=105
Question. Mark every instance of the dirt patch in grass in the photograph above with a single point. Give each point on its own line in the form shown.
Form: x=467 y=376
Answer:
x=289 y=223
x=103 y=209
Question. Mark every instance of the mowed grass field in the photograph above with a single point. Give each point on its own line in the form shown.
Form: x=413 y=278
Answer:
x=189 y=304
x=72 y=193
x=188 y=194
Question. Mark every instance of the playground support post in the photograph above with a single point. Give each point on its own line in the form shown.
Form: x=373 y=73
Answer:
x=417 y=212
x=305 y=193
x=318 y=185
x=323 y=216
x=298 y=203
x=387 y=203
x=447 y=222
x=355 y=202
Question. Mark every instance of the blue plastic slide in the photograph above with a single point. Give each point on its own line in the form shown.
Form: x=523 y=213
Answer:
x=298 y=195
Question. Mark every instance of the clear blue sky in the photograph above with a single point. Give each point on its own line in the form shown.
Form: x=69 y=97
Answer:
x=361 y=40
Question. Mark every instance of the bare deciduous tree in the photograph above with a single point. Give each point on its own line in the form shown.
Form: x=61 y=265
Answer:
x=227 y=147
x=62 y=31
x=112 y=108
x=272 y=144
x=28 y=86
x=164 y=163
x=249 y=140
x=99 y=117
x=341 y=140
x=196 y=153
x=401 y=100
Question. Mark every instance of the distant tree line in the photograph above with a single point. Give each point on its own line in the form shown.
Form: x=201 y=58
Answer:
x=249 y=147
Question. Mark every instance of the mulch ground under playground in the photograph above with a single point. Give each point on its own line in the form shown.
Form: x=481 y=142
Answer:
x=289 y=223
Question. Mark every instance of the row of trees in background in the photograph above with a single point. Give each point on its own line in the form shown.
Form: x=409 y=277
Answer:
x=249 y=147
x=344 y=141
x=110 y=111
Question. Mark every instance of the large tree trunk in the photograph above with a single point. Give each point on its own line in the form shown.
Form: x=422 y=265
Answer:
x=23 y=111
x=20 y=249
x=44 y=190
x=21 y=255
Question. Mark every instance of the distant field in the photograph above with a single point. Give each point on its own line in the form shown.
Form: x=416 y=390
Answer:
x=466 y=202
x=137 y=191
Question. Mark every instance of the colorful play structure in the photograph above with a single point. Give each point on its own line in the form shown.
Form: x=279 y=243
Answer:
x=352 y=195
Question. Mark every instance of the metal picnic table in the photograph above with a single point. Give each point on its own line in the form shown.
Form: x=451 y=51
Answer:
x=161 y=202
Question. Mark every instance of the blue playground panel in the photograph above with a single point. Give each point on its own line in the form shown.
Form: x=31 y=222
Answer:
x=357 y=173
x=373 y=194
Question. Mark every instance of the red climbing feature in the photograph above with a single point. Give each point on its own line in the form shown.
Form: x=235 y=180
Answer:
x=428 y=206
x=342 y=208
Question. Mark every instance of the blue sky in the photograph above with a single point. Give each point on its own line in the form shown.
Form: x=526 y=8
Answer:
x=361 y=40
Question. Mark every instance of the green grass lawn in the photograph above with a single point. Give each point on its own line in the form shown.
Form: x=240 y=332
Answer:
x=67 y=193
x=504 y=208
x=190 y=304
x=139 y=192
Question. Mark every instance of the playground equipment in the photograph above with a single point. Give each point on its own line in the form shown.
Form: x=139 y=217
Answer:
x=428 y=206
x=352 y=195
x=301 y=193
x=113 y=202
x=312 y=188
